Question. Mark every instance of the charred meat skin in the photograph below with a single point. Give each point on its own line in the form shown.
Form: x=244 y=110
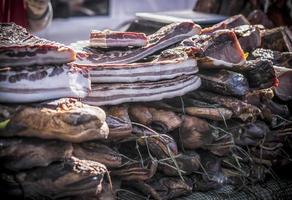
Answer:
x=18 y=47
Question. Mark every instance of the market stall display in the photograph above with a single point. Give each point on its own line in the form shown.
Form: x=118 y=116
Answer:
x=193 y=110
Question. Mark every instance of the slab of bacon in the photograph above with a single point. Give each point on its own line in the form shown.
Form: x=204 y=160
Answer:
x=164 y=37
x=18 y=47
x=40 y=83
x=111 y=94
x=108 y=39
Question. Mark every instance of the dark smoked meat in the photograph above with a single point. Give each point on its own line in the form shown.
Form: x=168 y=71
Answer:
x=18 y=48
x=277 y=39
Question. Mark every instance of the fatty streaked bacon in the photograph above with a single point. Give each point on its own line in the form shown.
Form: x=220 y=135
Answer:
x=20 y=48
x=164 y=37
x=108 y=39
x=40 y=83
x=111 y=94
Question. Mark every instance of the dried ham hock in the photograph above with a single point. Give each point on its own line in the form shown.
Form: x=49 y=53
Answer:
x=18 y=47
x=23 y=153
x=108 y=39
x=164 y=37
x=97 y=152
x=119 y=123
x=61 y=180
x=224 y=82
x=65 y=119
x=163 y=188
x=40 y=83
x=112 y=94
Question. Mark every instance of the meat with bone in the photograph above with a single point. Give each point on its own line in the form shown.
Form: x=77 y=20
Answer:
x=18 y=47
x=39 y=83
x=166 y=36
x=248 y=36
x=22 y=153
x=60 y=180
x=65 y=119
x=277 y=39
x=174 y=64
x=224 y=82
x=111 y=94
x=108 y=39
x=221 y=49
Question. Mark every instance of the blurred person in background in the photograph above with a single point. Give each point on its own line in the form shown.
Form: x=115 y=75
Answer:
x=34 y=15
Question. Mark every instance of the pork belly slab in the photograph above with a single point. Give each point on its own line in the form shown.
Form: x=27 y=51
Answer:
x=39 y=83
x=111 y=94
x=164 y=37
x=108 y=39
x=18 y=47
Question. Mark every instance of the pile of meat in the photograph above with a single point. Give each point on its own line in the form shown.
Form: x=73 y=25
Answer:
x=182 y=110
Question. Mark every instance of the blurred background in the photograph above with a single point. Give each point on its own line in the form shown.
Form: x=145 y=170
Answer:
x=74 y=19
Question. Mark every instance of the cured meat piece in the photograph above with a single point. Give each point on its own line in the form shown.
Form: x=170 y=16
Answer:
x=164 y=37
x=163 y=188
x=249 y=36
x=282 y=59
x=160 y=69
x=140 y=113
x=224 y=82
x=119 y=122
x=111 y=94
x=160 y=145
x=220 y=49
x=196 y=108
x=195 y=133
x=136 y=171
x=97 y=152
x=39 y=83
x=21 y=153
x=211 y=176
x=60 y=180
x=277 y=39
x=240 y=109
x=18 y=47
x=259 y=73
x=108 y=39
x=284 y=89
x=65 y=119
x=231 y=22
x=256 y=97
x=188 y=163
x=259 y=17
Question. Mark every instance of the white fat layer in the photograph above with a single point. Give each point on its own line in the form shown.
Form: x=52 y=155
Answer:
x=119 y=89
x=69 y=83
x=51 y=57
x=117 y=42
x=108 y=75
x=23 y=97
x=164 y=93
